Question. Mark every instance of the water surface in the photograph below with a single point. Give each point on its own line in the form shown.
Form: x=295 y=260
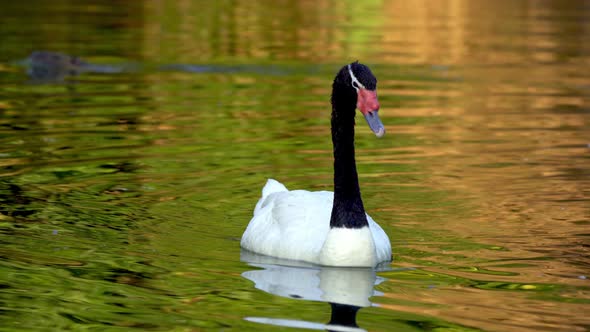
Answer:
x=124 y=192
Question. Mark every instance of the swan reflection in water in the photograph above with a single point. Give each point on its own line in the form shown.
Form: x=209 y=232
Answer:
x=346 y=289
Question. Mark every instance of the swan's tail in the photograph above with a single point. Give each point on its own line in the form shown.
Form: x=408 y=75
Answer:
x=272 y=186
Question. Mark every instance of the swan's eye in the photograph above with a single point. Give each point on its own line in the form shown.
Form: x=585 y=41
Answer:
x=355 y=82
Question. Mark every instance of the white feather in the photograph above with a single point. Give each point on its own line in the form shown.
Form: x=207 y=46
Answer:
x=296 y=225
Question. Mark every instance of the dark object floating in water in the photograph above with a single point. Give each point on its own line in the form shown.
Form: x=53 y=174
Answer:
x=49 y=66
x=55 y=66
x=44 y=65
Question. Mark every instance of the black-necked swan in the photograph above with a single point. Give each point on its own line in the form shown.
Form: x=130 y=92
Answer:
x=322 y=227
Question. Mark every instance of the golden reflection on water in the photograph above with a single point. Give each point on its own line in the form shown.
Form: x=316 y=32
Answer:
x=420 y=32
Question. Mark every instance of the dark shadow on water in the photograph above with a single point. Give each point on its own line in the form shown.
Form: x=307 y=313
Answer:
x=347 y=290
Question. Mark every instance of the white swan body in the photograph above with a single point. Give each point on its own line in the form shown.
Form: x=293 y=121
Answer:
x=296 y=225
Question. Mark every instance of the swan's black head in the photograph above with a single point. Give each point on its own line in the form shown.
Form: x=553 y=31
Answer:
x=363 y=75
x=358 y=81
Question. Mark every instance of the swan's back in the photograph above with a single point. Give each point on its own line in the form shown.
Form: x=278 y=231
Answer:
x=294 y=224
x=288 y=224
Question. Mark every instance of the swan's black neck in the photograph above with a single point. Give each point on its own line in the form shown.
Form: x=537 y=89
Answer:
x=348 y=210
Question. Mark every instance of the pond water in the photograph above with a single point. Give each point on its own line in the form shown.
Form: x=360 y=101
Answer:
x=124 y=189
